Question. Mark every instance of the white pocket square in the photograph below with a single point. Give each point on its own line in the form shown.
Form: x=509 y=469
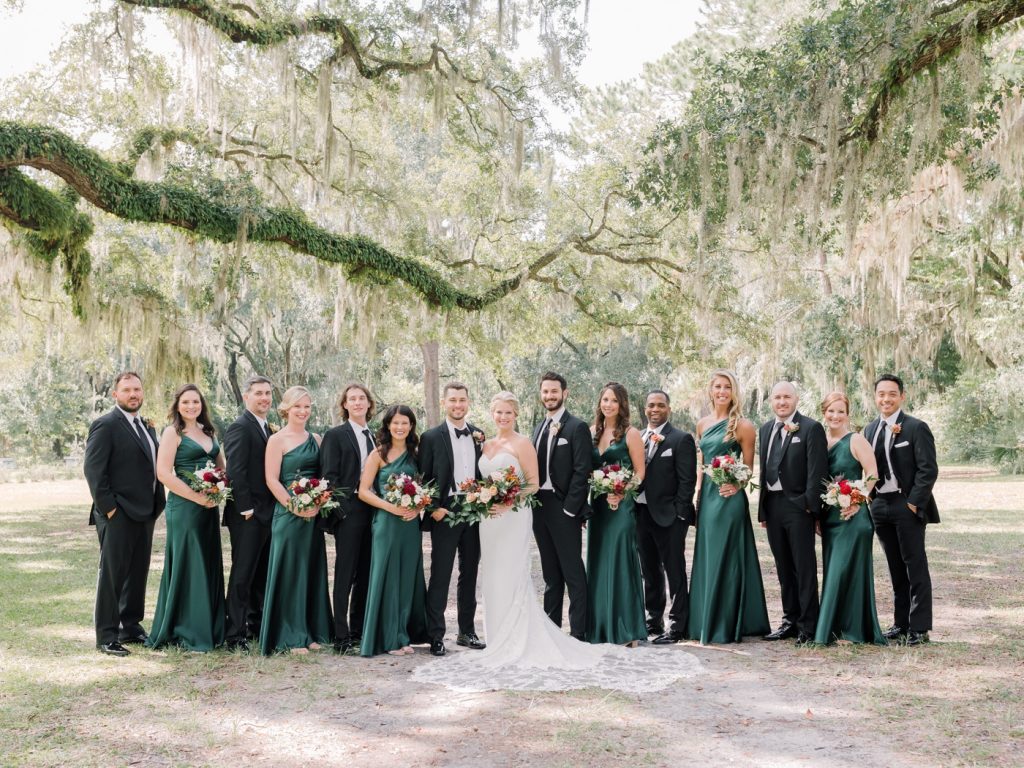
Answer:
x=796 y=439
x=562 y=441
x=667 y=453
x=901 y=445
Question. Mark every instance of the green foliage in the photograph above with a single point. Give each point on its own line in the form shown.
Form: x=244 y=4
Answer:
x=984 y=418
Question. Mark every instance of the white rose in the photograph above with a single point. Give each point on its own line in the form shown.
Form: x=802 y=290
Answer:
x=305 y=499
x=486 y=494
x=598 y=474
x=405 y=501
x=220 y=485
x=496 y=475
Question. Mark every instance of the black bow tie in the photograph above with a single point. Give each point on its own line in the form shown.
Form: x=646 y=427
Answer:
x=462 y=432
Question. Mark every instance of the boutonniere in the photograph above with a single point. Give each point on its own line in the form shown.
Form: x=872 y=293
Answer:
x=272 y=427
x=896 y=429
x=479 y=436
x=791 y=427
x=554 y=428
x=655 y=438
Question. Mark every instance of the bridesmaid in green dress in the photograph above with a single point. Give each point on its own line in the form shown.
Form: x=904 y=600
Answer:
x=396 y=599
x=726 y=591
x=190 y=606
x=615 y=592
x=296 y=606
x=848 y=586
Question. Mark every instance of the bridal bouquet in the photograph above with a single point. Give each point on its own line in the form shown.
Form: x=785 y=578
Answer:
x=211 y=481
x=407 y=492
x=502 y=487
x=308 y=493
x=613 y=479
x=843 y=493
x=728 y=469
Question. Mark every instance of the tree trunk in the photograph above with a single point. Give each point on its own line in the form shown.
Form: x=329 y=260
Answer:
x=431 y=381
x=236 y=390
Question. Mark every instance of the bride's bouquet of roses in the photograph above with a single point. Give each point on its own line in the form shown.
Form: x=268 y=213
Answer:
x=210 y=481
x=408 y=492
x=843 y=493
x=729 y=469
x=500 y=488
x=308 y=493
x=613 y=480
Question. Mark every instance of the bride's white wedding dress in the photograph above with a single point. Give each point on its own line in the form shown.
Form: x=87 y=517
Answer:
x=525 y=650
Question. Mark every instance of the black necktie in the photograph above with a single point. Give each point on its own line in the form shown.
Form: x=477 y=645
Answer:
x=368 y=440
x=462 y=432
x=884 y=470
x=771 y=467
x=542 y=450
x=143 y=437
x=266 y=429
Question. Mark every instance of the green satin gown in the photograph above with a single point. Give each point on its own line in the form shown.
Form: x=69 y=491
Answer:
x=726 y=591
x=848 y=585
x=615 y=589
x=396 y=598
x=296 y=607
x=190 y=606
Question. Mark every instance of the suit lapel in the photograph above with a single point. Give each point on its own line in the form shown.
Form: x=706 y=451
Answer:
x=787 y=436
x=256 y=424
x=446 y=439
x=135 y=436
x=659 y=447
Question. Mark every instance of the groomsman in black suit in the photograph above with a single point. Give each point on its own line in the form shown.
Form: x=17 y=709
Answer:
x=449 y=454
x=902 y=506
x=343 y=455
x=120 y=468
x=249 y=513
x=565 y=458
x=664 y=512
x=794 y=467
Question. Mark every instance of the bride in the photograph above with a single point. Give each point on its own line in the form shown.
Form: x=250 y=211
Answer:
x=525 y=650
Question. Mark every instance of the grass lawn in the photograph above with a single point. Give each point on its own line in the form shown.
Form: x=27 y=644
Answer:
x=956 y=701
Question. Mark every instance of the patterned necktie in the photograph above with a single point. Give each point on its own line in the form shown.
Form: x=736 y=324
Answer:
x=771 y=467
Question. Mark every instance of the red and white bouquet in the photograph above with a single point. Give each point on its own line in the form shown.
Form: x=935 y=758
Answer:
x=843 y=493
x=729 y=469
x=408 y=492
x=613 y=480
x=502 y=487
x=308 y=493
x=210 y=481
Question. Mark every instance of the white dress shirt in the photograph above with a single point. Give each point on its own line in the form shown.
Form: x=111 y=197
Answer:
x=892 y=484
x=364 y=453
x=131 y=422
x=785 y=422
x=553 y=418
x=651 y=448
x=463 y=455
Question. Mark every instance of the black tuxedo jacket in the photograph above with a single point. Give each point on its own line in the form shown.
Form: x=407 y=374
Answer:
x=340 y=464
x=572 y=461
x=804 y=467
x=120 y=471
x=245 y=446
x=436 y=462
x=912 y=454
x=671 y=478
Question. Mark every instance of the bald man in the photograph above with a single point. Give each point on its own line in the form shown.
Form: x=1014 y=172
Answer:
x=794 y=466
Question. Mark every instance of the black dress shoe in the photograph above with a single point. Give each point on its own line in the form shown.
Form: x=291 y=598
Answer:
x=784 y=632
x=138 y=639
x=113 y=649
x=916 y=638
x=655 y=629
x=668 y=638
x=894 y=633
x=802 y=639
x=470 y=640
x=437 y=648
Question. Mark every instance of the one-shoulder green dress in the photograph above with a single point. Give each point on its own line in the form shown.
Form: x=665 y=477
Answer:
x=726 y=591
x=848 y=584
x=396 y=598
x=190 y=609
x=296 y=606
x=615 y=588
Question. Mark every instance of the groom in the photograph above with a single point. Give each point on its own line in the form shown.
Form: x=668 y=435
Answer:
x=902 y=506
x=448 y=455
x=564 y=454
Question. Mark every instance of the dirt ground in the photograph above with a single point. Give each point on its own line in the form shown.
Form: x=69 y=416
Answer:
x=957 y=701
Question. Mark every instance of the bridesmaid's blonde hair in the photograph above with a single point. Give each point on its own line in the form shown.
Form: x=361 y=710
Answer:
x=505 y=397
x=735 y=407
x=292 y=395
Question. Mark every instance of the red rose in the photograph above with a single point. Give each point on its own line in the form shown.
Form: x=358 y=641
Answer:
x=409 y=489
x=314 y=483
x=209 y=477
x=614 y=468
x=716 y=462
